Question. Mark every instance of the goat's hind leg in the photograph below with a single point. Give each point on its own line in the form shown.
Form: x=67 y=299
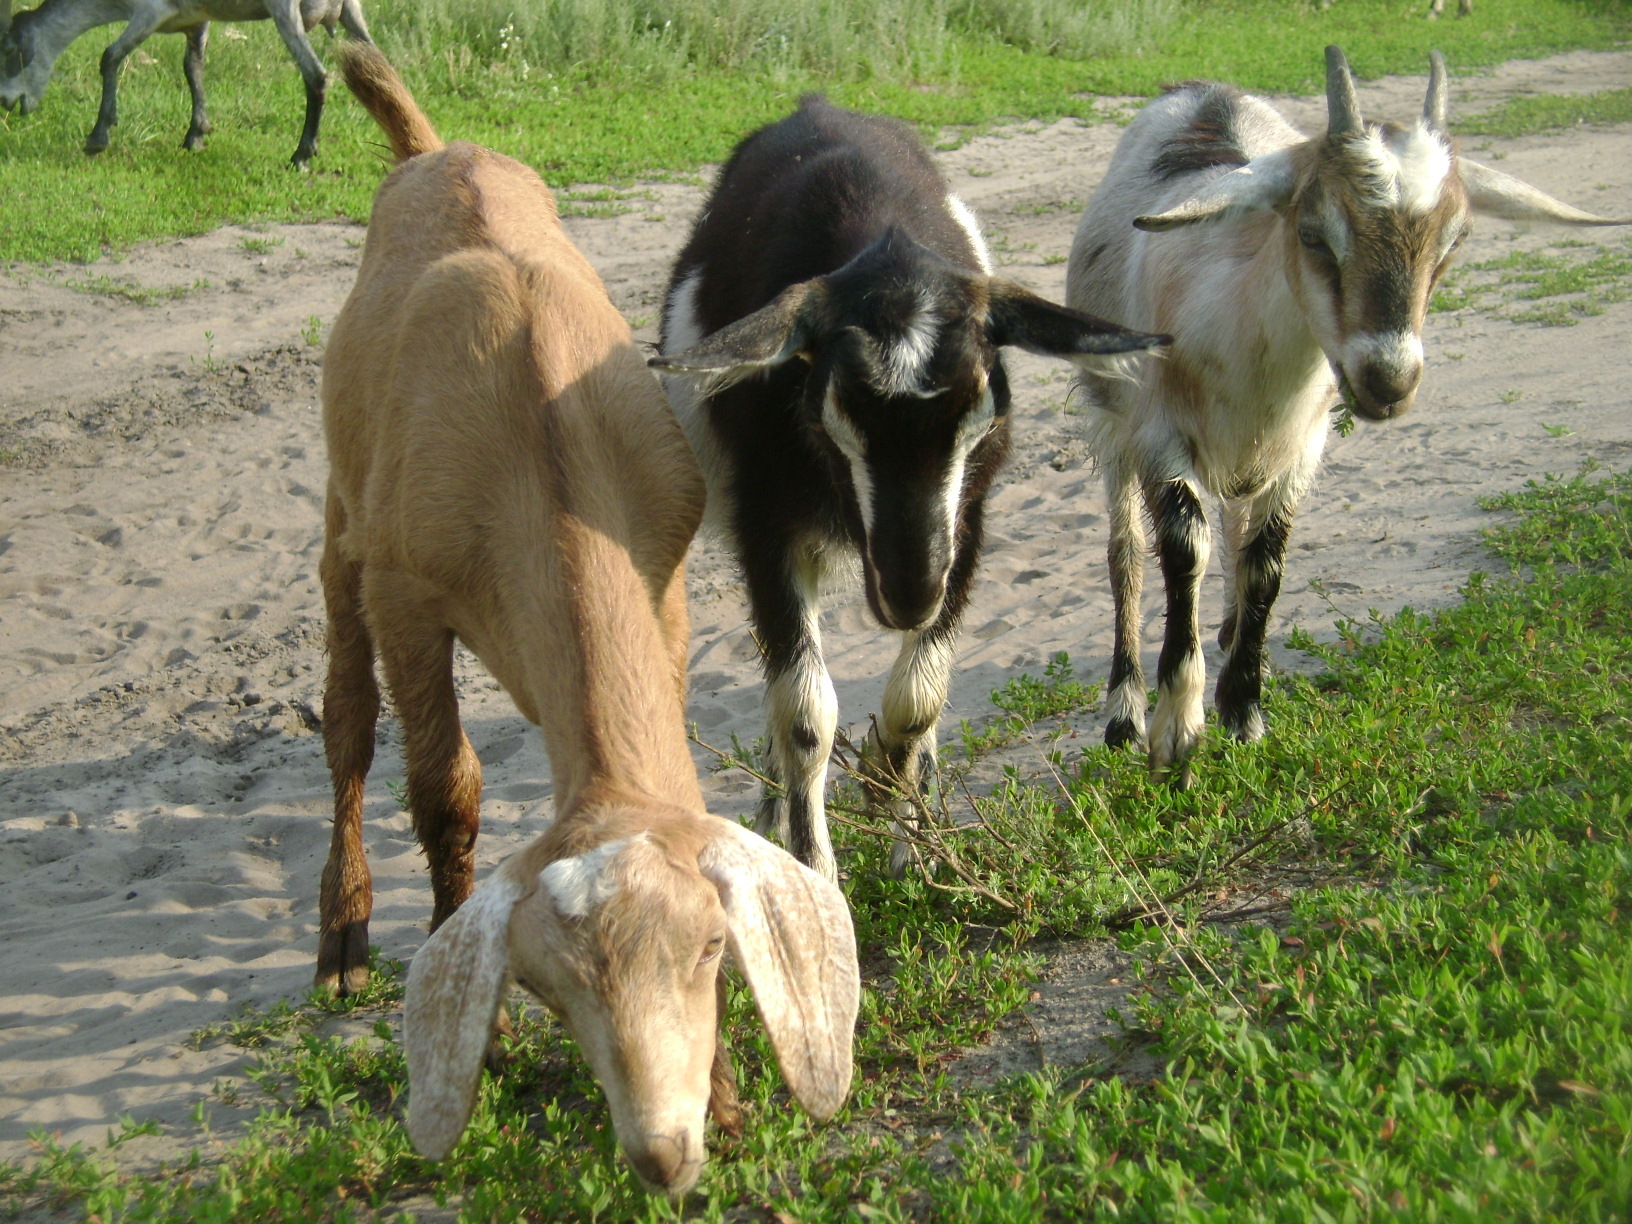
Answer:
x=444 y=776
x=1183 y=543
x=1126 y=702
x=192 y=67
x=351 y=708
x=286 y=17
x=1257 y=583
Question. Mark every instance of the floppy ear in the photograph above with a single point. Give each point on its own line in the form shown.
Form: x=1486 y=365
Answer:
x=1264 y=182
x=1021 y=318
x=791 y=935
x=768 y=337
x=454 y=988
x=1502 y=195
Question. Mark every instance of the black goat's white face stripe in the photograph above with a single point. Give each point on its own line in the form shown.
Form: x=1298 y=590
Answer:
x=903 y=363
x=965 y=217
x=971 y=430
x=854 y=449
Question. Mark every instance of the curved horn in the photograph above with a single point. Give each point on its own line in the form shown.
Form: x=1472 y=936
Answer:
x=1434 y=106
x=1342 y=105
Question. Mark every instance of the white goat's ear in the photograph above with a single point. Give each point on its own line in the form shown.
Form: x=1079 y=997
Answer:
x=1501 y=195
x=1264 y=182
x=770 y=336
x=454 y=988
x=790 y=932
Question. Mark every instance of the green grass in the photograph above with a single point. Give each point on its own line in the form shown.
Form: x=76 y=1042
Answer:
x=586 y=116
x=1550 y=113
x=1570 y=280
x=1436 y=1028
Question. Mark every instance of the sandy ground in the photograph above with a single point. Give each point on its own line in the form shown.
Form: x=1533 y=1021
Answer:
x=163 y=799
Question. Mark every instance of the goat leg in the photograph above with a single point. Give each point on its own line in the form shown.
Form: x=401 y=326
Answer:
x=1126 y=700
x=804 y=709
x=351 y=709
x=723 y=1104
x=192 y=67
x=1183 y=543
x=131 y=37
x=1258 y=583
x=286 y=17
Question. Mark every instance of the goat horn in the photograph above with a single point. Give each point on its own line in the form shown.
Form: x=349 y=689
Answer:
x=1342 y=105
x=1434 y=106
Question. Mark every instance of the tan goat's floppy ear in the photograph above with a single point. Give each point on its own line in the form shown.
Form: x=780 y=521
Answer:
x=1502 y=195
x=454 y=988
x=1264 y=182
x=770 y=336
x=791 y=934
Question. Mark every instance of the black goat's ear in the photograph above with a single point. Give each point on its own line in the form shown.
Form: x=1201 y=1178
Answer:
x=770 y=336
x=1022 y=319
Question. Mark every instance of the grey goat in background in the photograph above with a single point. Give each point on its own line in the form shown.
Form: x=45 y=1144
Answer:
x=31 y=42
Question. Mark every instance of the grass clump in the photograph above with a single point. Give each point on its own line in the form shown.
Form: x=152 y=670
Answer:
x=1569 y=281
x=1549 y=113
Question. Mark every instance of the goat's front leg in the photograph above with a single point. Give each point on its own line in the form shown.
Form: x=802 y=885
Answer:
x=1257 y=582
x=1126 y=702
x=804 y=710
x=444 y=775
x=192 y=67
x=351 y=708
x=1183 y=544
x=916 y=693
x=286 y=17
x=723 y=1104
x=143 y=23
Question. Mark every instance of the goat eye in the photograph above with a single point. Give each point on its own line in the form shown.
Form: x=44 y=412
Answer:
x=711 y=949
x=1314 y=243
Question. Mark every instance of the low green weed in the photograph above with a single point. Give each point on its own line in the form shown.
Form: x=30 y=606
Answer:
x=1584 y=277
x=1549 y=113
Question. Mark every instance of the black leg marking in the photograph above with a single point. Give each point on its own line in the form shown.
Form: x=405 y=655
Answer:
x=1240 y=684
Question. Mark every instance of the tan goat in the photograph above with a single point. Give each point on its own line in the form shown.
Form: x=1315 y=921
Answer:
x=506 y=472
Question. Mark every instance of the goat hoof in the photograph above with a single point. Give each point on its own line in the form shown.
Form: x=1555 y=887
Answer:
x=342 y=960
x=92 y=147
x=1121 y=732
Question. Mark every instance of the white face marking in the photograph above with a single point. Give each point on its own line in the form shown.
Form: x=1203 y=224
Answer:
x=851 y=445
x=1399 y=353
x=680 y=316
x=965 y=217
x=905 y=360
x=1409 y=166
x=579 y=884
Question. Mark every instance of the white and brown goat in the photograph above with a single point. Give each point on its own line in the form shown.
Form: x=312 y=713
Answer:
x=506 y=472
x=837 y=332
x=1285 y=268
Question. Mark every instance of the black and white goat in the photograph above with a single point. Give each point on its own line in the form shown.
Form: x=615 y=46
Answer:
x=1276 y=261
x=852 y=399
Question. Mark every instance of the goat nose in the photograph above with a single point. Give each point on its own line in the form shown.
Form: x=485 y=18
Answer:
x=662 y=1162
x=1388 y=385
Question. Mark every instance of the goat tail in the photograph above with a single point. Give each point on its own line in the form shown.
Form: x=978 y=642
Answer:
x=369 y=75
